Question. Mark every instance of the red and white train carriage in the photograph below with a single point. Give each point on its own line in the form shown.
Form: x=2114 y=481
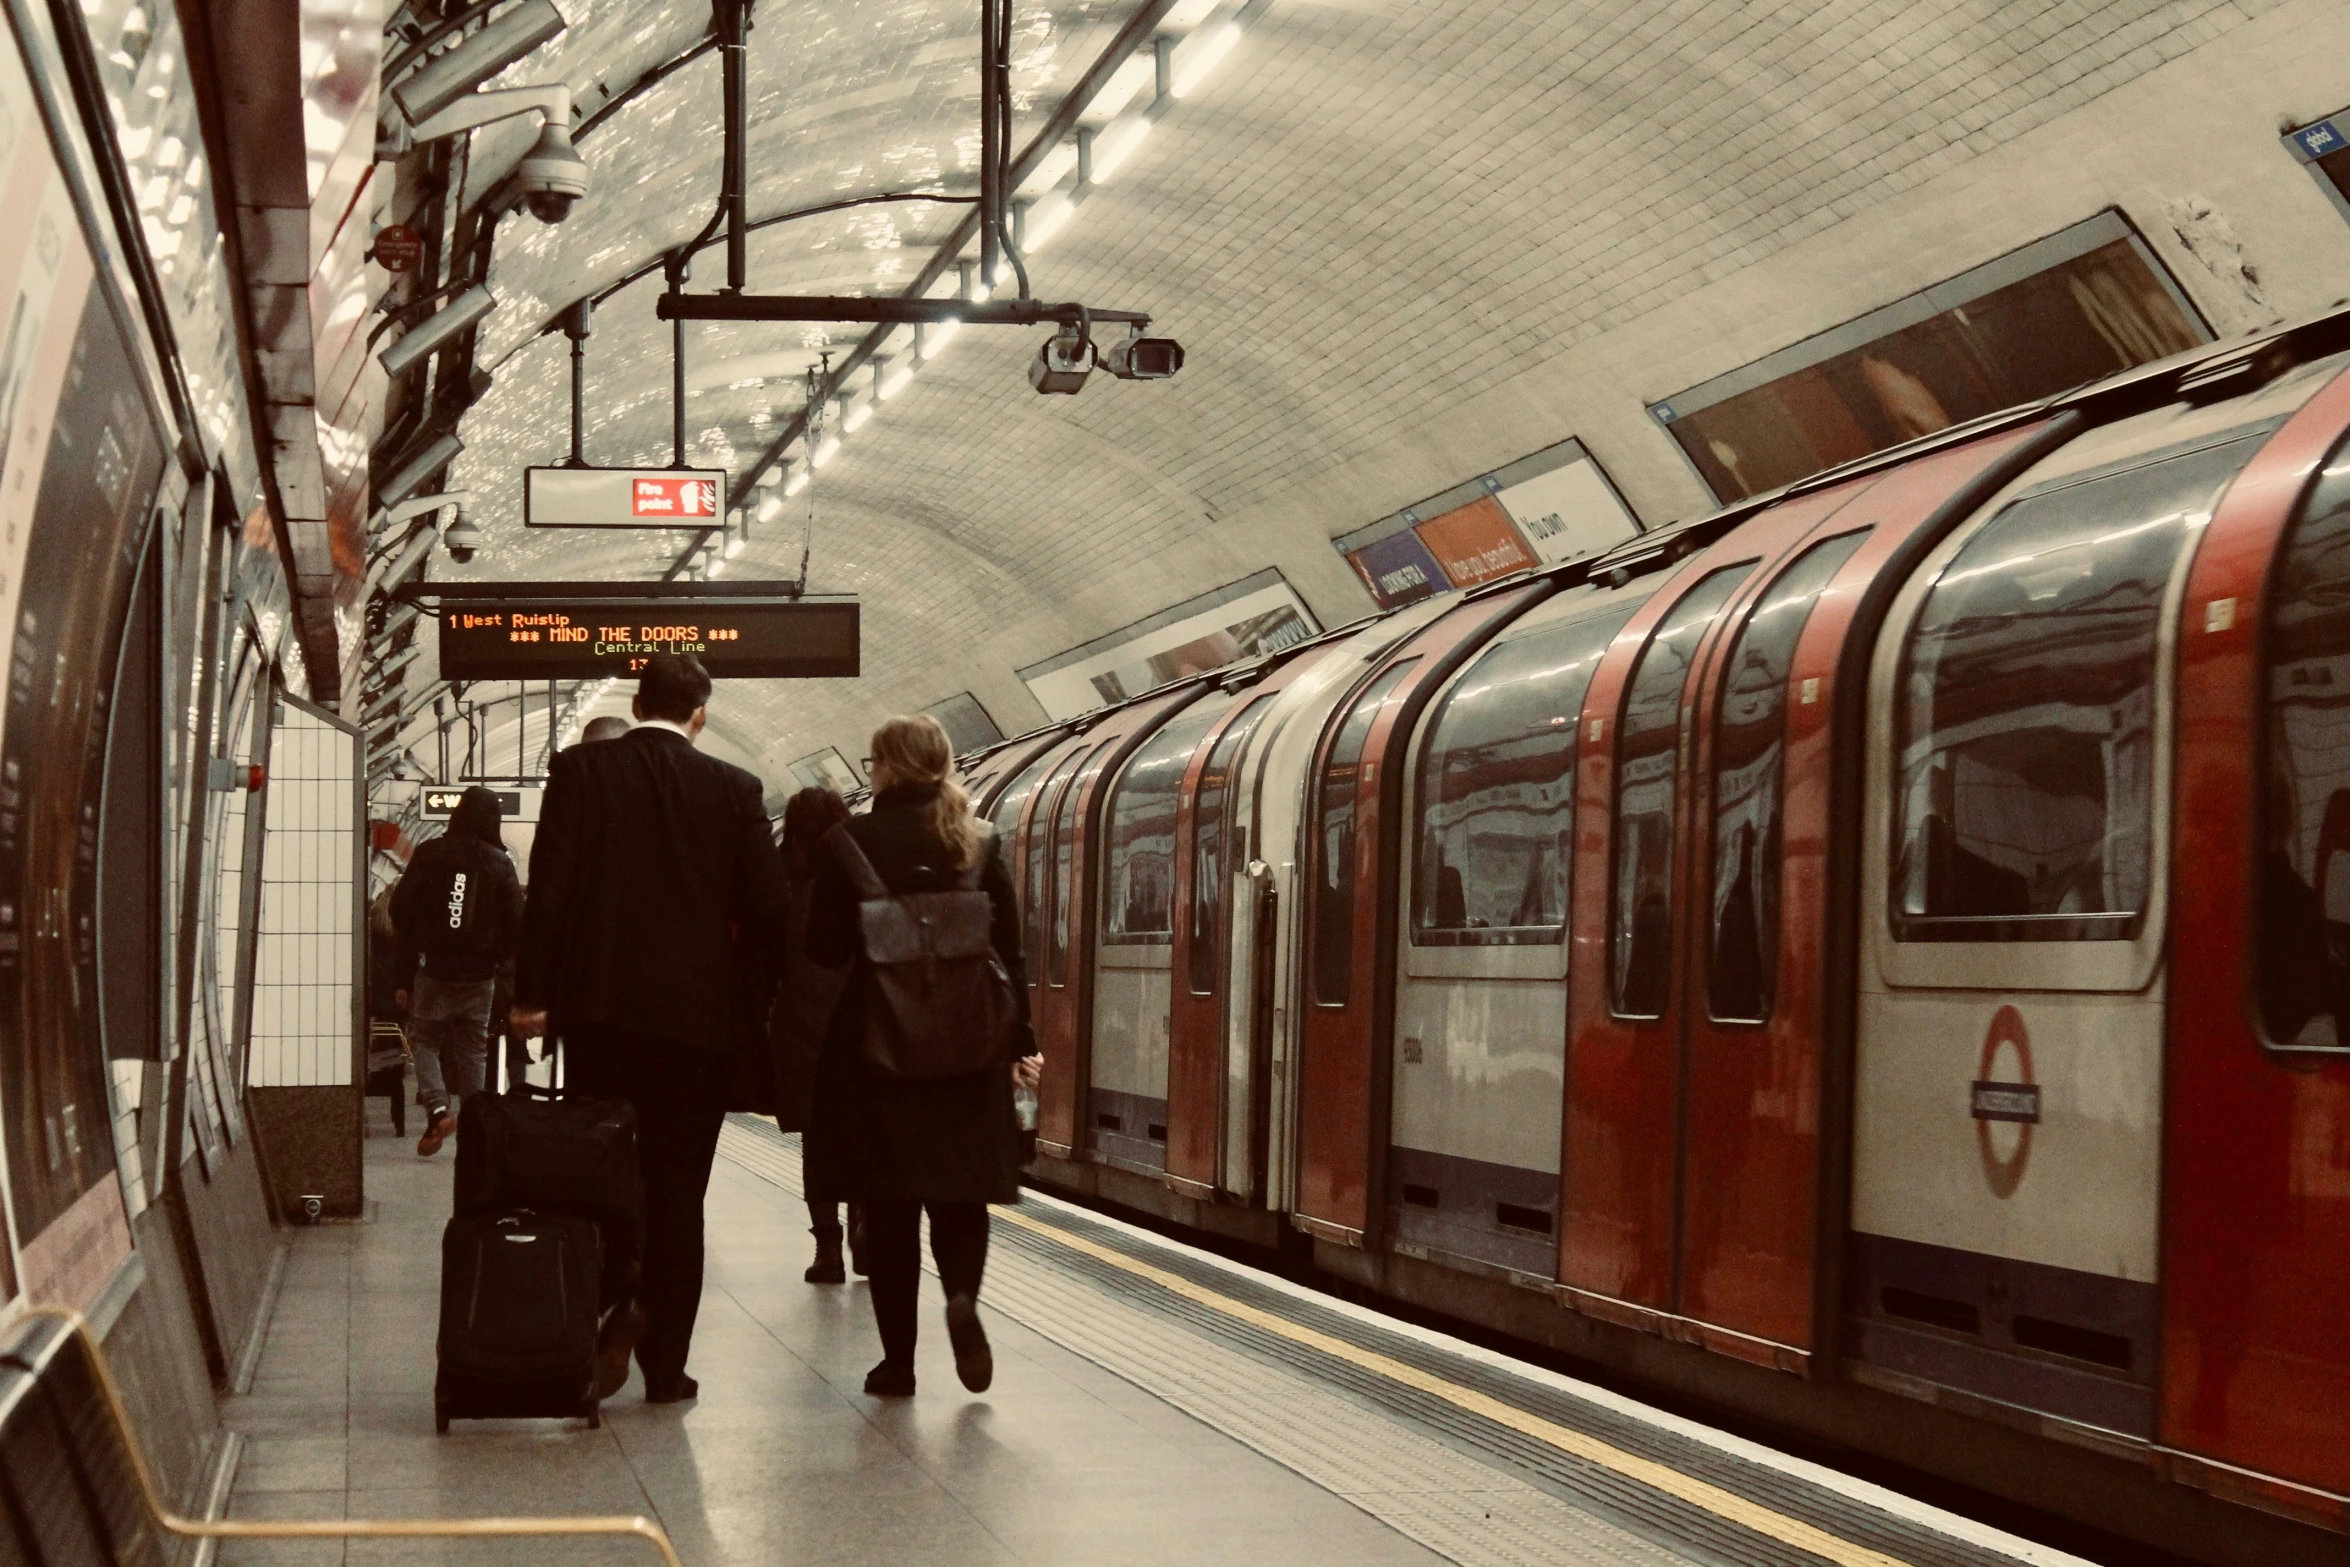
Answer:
x=1876 y=957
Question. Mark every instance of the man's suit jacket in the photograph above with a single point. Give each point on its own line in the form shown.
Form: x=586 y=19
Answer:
x=646 y=851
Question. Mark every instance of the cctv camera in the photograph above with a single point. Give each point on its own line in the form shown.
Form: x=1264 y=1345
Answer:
x=461 y=538
x=1141 y=358
x=553 y=176
x=1062 y=364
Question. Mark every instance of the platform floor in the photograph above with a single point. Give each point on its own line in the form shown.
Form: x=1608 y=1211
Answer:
x=1152 y=1404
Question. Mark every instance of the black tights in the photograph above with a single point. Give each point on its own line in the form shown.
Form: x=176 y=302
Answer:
x=893 y=1258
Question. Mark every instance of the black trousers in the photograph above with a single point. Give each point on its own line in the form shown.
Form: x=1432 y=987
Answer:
x=893 y=1262
x=680 y=1097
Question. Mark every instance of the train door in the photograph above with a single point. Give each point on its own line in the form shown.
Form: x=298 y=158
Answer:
x=1056 y=1116
x=1763 y=1089
x=1347 y=1011
x=1064 y=1000
x=1481 y=1001
x=1208 y=882
x=1262 y=936
x=1615 y=1241
x=1133 y=955
x=2008 y=1106
x=2256 y=1220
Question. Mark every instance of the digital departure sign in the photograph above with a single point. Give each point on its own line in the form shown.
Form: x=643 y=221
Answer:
x=546 y=631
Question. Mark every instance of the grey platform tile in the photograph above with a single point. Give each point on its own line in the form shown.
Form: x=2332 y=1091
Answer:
x=309 y=1462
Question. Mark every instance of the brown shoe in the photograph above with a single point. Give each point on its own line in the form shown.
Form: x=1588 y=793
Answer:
x=614 y=1345
x=443 y=1127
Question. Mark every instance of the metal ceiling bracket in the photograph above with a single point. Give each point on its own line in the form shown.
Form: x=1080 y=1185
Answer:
x=678 y=306
x=575 y=327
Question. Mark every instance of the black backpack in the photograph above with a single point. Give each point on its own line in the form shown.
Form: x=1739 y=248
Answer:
x=943 y=1003
x=457 y=915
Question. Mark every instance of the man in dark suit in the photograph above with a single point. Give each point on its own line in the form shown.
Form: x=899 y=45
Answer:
x=647 y=852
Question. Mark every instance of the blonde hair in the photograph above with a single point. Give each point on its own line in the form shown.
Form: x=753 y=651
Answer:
x=916 y=749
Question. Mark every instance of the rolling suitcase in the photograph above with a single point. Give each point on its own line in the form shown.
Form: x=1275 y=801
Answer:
x=519 y=1314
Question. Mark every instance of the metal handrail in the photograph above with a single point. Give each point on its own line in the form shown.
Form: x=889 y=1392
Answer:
x=327 y=1528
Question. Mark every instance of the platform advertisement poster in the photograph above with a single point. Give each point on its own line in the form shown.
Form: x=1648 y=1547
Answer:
x=80 y=459
x=1567 y=512
x=1246 y=619
x=1399 y=570
x=1476 y=543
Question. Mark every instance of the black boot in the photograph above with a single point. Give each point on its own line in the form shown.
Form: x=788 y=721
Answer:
x=826 y=1269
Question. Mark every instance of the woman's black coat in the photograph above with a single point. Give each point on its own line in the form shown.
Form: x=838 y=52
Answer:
x=874 y=1137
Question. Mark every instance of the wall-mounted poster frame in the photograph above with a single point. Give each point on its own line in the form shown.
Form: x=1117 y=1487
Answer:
x=1547 y=508
x=2081 y=303
x=969 y=725
x=1259 y=614
x=826 y=769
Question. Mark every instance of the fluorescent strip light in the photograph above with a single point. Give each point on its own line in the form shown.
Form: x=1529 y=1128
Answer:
x=716 y=568
x=823 y=454
x=796 y=483
x=894 y=380
x=769 y=507
x=936 y=336
x=1199 y=54
x=1047 y=218
x=1115 y=143
x=857 y=415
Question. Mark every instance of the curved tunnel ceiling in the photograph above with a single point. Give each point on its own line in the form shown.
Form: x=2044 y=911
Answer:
x=1373 y=214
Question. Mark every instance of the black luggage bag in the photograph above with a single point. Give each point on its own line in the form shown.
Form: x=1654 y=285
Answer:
x=548 y=1150
x=520 y=1299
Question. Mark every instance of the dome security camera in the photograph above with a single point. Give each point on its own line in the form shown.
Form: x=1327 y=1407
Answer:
x=552 y=175
x=461 y=538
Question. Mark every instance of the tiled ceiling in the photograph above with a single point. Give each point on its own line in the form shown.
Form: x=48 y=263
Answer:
x=1373 y=209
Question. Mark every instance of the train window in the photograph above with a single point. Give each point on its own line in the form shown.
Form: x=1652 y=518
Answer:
x=1008 y=805
x=2305 y=869
x=1138 y=894
x=1211 y=813
x=1648 y=743
x=2025 y=719
x=1496 y=789
x=1334 y=872
x=1064 y=856
x=1750 y=763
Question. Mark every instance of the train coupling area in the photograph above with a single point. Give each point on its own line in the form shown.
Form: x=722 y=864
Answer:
x=1152 y=1403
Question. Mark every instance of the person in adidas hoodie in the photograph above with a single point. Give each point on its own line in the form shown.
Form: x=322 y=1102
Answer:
x=458 y=907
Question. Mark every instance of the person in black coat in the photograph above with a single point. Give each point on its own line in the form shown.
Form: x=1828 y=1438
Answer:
x=648 y=855
x=900 y=1145
x=803 y=1010
x=459 y=907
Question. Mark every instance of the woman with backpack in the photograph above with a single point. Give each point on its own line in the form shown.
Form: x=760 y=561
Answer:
x=803 y=1008
x=913 y=1104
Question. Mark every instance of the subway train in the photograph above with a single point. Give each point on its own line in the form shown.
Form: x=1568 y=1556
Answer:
x=1874 y=958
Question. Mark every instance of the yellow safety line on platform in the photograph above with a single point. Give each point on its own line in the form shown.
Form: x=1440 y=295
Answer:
x=1662 y=1477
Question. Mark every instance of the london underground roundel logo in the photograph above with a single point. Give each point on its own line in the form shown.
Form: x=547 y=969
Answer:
x=2004 y=1093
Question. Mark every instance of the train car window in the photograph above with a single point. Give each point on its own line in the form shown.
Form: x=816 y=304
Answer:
x=2304 y=886
x=1211 y=822
x=1039 y=852
x=2025 y=720
x=1742 y=963
x=1006 y=815
x=1648 y=743
x=1064 y=854
x=1138 y=894
x=1496 y=789
x=1334 y=874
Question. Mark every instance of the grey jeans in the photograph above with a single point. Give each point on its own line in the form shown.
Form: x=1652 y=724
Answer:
x=449 y=1029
